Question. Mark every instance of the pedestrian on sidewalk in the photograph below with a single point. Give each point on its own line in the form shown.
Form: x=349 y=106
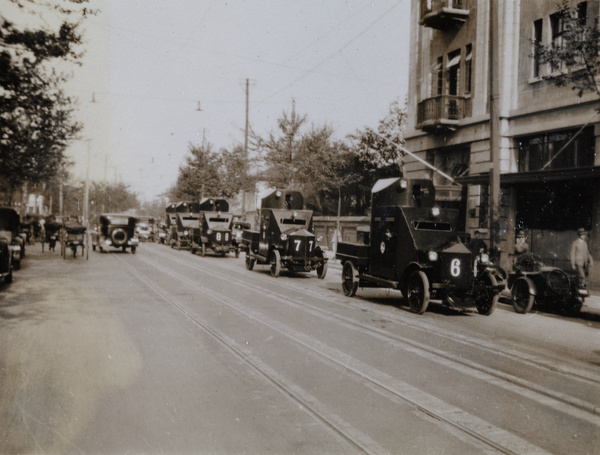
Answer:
x=581 y=259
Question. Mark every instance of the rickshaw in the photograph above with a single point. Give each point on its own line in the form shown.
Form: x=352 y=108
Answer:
x=50 y=233
x=73 y=236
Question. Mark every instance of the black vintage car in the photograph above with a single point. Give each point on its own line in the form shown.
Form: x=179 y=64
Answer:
x=10 y=243
x=116 y=231
x=414 y=247
x=533 y=284
x=285 y=239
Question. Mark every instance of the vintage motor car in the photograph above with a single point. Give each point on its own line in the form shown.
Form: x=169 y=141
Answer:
x=414 y=247
x=285 y=239
x=213 y=229
x=533 y=284
x=10 y=243
x=116 y=231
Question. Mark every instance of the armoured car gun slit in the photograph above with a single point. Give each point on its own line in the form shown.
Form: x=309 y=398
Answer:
x=414 y=247
x=285 y=239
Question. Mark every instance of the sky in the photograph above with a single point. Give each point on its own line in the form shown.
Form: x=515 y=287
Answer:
x=161 y=75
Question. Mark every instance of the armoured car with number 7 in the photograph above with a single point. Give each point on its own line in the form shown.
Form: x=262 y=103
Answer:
x=285 y=239
x=415 y=248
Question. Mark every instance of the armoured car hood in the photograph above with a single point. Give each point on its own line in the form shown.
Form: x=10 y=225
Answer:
x=299 y=233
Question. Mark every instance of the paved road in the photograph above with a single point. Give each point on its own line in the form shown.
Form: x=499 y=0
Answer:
x=166 y=352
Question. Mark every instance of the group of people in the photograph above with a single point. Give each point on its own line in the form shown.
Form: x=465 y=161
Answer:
x=579 y=253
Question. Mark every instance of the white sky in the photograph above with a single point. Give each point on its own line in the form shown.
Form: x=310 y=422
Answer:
x=149 y=63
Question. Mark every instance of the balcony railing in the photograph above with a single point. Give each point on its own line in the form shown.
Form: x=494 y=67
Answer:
x=442 y=112
x=443 y=14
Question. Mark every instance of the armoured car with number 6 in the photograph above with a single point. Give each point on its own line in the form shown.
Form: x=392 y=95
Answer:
x=415 y=248
x=285 y=239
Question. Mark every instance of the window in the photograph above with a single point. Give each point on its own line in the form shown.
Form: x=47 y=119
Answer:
x=557 y=150
x=453 y=73
x=469 y=69
x=438 y=74
x=537 y=40
x=557 y=26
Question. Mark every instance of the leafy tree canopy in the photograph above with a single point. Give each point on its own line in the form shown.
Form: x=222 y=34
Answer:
x=36 y=123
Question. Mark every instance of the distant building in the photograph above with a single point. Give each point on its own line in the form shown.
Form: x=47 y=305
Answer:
x=549 y=168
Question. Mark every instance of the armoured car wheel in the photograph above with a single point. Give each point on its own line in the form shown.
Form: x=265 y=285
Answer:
x=275 y=263
x=349 y=279
x=487 y=301
x=322 y=270
x=8 y=278
x=250 y=262
x=203 y=250
x=418 y=292
x=132 y=250
x=522 y=299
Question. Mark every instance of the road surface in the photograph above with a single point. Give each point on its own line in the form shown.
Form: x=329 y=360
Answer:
x=166 y=352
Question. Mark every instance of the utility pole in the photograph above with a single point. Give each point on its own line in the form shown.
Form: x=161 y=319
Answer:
x=86 y=196
x=494 y=105
x=245 y=158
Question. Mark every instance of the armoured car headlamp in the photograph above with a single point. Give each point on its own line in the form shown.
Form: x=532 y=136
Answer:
x=185 y=232
x=403 y=184
x=294 y=215
x=209 y=231
x=283 y=237
x=278 y=194
x=484 y=258
x=432 y=256
x=435 y=211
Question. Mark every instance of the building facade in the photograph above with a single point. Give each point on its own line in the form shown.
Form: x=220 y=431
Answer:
x=547 y=136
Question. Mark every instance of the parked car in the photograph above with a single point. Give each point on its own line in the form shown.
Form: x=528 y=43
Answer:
x=10 y=252
x=116 y=231
x=533 y=284
x=144 y=232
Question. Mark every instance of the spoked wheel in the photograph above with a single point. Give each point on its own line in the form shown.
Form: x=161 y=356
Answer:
x=418 y=292
x=522 y=298
x=250 y=261
x=275 y=263
x=349 y=279
x=486 y=301
x=322 y=270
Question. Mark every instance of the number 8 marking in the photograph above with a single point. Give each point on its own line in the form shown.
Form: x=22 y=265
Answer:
x=455 y=267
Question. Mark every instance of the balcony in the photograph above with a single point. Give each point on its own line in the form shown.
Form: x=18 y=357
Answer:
x=444 y=14
x=442 y=112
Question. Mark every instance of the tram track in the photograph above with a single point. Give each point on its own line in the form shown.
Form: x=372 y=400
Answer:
x=492 y=437
x=573 y=406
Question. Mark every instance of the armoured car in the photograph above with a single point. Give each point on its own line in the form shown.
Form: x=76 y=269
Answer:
x=213 y=229
x=285 y=239
x=116 y=231
x=414 y=247
x=186 y=219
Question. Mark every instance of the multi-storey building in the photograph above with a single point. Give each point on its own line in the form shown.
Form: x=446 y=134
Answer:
x=547 y=135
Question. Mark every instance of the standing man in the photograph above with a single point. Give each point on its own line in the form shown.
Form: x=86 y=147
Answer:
x=581 y=259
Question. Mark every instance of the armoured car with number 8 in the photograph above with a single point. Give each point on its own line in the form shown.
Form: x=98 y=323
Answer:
x=415 y=248
x=213 y=231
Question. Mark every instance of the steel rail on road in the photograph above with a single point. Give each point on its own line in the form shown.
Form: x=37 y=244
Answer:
x=475 y=428
x=576 y=407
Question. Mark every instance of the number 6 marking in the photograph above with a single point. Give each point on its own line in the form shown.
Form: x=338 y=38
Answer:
x=455 y=267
